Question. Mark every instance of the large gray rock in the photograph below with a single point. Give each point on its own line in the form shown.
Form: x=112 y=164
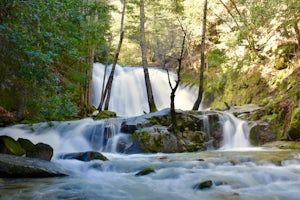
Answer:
x=261 y=133
x=23 y=167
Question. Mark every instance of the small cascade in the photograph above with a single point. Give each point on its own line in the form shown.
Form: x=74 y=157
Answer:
x=224 y=131
x=74 y=136
x=235 y=132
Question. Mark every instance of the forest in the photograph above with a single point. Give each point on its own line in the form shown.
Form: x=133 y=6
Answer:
x=250 y=53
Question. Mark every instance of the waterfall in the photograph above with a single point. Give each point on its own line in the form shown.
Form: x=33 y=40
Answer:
x=129 y=97
x=235 y=132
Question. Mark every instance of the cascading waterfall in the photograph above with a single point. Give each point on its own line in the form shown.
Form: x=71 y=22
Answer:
x=129 y=97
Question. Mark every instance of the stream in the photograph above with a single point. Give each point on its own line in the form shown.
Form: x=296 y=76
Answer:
x=237 y=170
x=257 y=174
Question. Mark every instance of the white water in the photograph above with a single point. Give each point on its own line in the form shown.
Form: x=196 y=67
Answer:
x=235 y=174
x=129 y=98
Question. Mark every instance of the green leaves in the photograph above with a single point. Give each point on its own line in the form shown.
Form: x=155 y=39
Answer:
x=44 y=46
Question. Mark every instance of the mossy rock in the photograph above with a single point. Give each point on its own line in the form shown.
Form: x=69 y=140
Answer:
x=147 y=143
x=9 y=146
x=26 y=144
x=104 y=114
x=41 y=151
x=145 y=171
x=204 y=185
x=294 y=126
x=85 y=156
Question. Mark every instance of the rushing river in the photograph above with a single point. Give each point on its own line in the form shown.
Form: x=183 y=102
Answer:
x=264 y=175
x=237 y=172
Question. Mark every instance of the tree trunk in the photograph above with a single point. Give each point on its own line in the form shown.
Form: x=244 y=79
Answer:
x=152 y=106
x=107 y=92
x=202 y=64
x=174 y=89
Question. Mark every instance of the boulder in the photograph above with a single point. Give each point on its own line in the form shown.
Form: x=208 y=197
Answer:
x=145 y=171
x=26 y=144
x=9 y=146
x=85 y=156
x=261 y=133
x=12 y=166
x=41 y=151
x=204 y=185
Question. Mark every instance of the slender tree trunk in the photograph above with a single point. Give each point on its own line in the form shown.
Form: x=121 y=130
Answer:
x=90 y=75
x=107 y=91
x=111 y=76
x=174 y=89
x=104 y=76
x=202 y=64
x=151 y=102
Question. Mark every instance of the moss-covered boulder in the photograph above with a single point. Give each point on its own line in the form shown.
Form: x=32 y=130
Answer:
x=9 y=146
x=41 y=151
x=294 y=126
x=156 y=139
x=204 y=185
x=85 y=156
x=26 y=144
x=145 y=171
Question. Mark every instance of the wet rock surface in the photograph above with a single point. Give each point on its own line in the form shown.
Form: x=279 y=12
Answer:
x=12 y=166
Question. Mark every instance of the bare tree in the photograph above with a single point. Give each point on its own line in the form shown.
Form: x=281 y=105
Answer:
x=107 y=92
x=202 y=64
x=177 y=82
x=151 y=102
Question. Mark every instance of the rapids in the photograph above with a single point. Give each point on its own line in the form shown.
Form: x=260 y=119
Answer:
x=235 y=175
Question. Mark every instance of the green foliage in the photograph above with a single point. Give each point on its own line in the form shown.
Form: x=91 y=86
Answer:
x=216 y=57
x=45 y=51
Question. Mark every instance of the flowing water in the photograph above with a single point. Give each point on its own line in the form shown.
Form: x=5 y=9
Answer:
x=237 y=170
x=129 y=97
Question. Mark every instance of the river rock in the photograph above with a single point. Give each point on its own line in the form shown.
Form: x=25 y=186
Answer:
x=195 y=131
x=204 y=185
x=9 y=146
x=85 y=156
x=145 y=171
x=26 y=144
x=261 y=133
x=41 y=151
x=12 y=166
